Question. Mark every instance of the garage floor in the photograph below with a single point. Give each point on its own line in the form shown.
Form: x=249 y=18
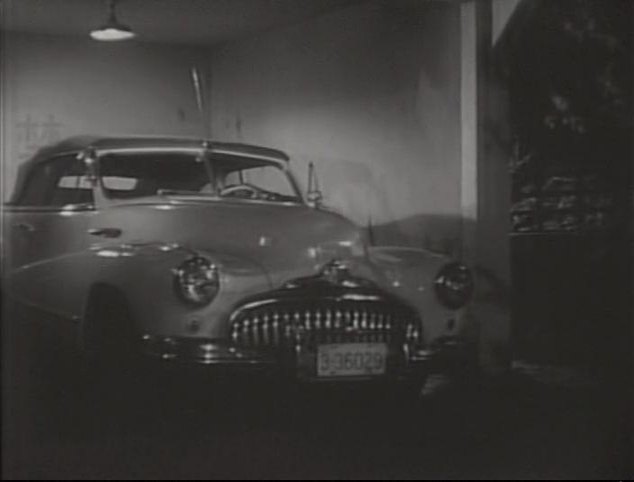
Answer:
x=537 y=422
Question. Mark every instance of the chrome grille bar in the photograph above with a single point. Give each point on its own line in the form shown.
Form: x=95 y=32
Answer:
x=284 y=326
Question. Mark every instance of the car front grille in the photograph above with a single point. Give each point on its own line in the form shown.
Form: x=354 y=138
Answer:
x=285 y=326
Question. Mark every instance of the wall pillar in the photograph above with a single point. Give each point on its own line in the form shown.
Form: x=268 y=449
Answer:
x=5 y=105
x=485 y=185
x=469 y=131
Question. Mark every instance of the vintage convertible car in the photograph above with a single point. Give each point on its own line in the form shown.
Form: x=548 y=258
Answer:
x=190 y=252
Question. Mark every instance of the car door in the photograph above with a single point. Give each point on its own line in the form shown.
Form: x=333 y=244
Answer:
x=48 y=234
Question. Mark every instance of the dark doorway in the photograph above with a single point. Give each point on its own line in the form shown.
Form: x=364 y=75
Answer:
x=568 y=67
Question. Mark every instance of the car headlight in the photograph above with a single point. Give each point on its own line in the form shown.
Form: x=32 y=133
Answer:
x=197 y=281
x=454 y=285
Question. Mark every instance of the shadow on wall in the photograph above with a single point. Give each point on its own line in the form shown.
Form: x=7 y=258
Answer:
x=351 y=188
x=360 y=194
x=385 y=201
x=492 y=299
x=438 y=233
x=442 y=234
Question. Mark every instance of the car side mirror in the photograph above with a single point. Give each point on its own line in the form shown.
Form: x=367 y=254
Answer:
x=314 y=196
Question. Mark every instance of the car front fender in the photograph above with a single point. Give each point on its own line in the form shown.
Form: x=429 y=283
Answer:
x=144 y=275
x=410 y=273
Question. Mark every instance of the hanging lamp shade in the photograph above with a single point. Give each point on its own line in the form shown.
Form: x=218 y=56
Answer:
x=112 y=30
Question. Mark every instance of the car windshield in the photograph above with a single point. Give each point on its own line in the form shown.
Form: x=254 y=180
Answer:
x=133 y=175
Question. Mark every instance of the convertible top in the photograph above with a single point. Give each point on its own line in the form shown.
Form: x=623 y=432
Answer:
x=80 y=143
x=101 y=143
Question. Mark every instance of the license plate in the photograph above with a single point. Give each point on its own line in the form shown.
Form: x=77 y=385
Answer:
x=351 y=359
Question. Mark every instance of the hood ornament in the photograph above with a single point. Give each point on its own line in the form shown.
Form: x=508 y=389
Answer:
x=265 y=241
x=336 y=272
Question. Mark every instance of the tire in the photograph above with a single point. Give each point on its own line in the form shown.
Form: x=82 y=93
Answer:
x=467 y=374
x=410 y=391
x=406 y=393
x=109 y=334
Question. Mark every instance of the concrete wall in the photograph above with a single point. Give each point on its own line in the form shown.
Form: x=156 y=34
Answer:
x=501 y=13
x=371 y=95
x=56 y=87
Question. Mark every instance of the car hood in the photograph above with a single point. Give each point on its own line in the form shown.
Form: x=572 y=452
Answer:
x=285 y=240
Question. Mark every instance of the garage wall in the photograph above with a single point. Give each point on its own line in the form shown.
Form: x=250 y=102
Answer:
x=371 y=95
x=56 y=87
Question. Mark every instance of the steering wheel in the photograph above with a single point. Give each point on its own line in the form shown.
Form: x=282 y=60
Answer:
x=249 y=191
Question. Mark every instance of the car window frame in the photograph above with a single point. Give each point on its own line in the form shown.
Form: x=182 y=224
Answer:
x=16 y=205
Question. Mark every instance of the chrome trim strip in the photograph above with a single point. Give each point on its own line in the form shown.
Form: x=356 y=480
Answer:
x=184 y=149
x=214 y=361
x=61 y=210
x=249 y=306
x=195 y=351
x=275 y=160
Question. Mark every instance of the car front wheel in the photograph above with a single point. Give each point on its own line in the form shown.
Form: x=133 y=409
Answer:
x=109 y=334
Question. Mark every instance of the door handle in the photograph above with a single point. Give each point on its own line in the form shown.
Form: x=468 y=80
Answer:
x=105 y=232
x=25 y=228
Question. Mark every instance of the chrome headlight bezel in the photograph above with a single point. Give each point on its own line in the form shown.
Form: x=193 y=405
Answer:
x=196 y=281
x=454 y=285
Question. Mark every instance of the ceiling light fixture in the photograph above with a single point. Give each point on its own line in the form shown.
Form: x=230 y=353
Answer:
x=112 y=30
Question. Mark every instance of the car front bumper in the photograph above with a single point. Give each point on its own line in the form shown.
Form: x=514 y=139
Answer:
x=222 y=356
